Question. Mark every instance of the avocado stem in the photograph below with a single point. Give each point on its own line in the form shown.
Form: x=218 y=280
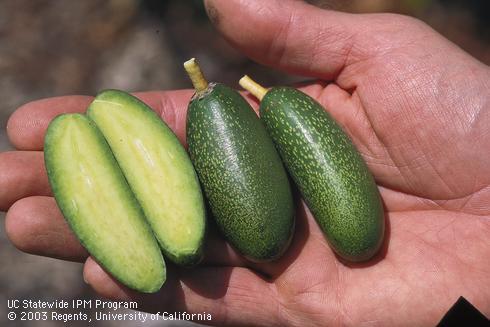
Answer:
x=195 y=74
x=253 y=87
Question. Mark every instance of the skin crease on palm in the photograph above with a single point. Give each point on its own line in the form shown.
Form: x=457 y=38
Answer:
x=417 y=108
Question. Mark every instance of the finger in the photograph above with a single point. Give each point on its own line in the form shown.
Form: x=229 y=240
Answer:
x=232 y=296
x=290 y=35
x=35 y=225
x=27 y=125
x=22 y=174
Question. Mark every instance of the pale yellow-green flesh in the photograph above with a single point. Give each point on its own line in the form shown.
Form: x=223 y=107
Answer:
x=98 y=204
x=157 y=169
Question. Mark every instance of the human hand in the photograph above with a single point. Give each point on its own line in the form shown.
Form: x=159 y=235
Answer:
x=415 y=105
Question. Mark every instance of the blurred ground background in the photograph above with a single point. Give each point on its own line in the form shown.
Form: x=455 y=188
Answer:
x=54 y=47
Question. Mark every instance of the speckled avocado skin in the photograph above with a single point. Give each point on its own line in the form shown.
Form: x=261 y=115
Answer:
x=241 y=172
x=329 y=172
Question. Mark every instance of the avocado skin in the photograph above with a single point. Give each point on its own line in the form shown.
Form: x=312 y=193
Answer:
x=241 y=172
x=331 y=175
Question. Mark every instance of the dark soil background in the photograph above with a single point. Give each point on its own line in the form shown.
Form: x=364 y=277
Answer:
x=54 y=47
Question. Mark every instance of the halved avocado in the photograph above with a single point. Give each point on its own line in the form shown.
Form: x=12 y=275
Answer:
x=98 y=204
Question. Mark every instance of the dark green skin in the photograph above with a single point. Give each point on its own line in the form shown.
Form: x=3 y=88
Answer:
x=241 y=172
x=331 y=175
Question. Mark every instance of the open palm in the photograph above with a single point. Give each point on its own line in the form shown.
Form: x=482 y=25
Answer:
x=417 y=108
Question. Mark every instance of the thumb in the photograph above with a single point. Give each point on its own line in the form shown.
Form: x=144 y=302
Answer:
x=288 y=34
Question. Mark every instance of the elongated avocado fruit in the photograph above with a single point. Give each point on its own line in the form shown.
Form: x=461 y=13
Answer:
x=158 y=171
x=242 y=175
x=97 y=203
x=331 y=175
